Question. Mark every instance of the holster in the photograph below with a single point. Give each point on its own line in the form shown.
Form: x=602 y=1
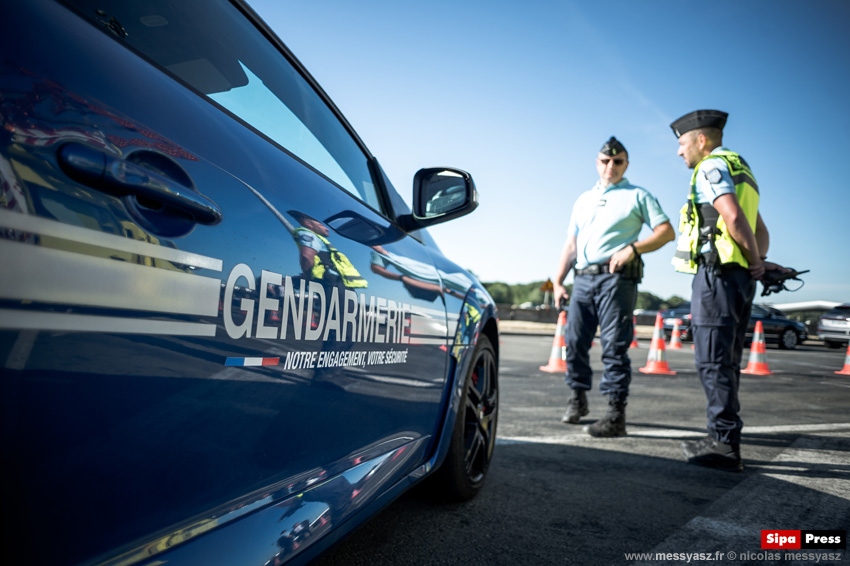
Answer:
x=633 y=270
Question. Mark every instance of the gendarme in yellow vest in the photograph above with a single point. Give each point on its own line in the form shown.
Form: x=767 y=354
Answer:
x=701 y=223
x=339 y=262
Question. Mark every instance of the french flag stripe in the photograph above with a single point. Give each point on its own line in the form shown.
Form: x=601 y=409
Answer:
x=252 y=361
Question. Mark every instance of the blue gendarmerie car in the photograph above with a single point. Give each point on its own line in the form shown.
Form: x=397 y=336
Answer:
x=225 y=338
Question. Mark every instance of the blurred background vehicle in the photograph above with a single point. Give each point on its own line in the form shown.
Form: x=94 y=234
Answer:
x=778 y=328
x=681 y=312
x=834 y=326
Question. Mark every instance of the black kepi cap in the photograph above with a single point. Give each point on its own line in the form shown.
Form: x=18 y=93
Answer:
x=699 y=119
x=612 y=147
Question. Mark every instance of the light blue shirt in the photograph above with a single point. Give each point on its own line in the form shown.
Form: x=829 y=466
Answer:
x=607 y=219
x=713 y=179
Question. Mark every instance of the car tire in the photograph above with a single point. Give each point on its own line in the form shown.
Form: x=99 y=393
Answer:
x=788 y=339
x=462 y=474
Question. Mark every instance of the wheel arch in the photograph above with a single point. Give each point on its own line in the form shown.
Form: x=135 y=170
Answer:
x=478 y=316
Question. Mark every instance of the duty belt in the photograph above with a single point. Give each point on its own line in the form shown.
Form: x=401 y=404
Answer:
x=593 y=269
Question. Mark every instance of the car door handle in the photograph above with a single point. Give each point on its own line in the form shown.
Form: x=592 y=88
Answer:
x=120 y=177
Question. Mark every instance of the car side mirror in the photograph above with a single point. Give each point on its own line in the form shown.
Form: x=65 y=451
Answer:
x=440 y=194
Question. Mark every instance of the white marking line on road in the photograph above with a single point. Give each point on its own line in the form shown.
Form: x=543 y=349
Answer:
x=802 y=429
x=639 y=432
x=817 y=367
x=781 y=495
x=835 y=384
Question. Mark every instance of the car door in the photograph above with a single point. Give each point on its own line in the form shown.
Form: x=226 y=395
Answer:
x=205 y=306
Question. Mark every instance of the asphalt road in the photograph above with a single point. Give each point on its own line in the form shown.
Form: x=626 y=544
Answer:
x=555 y=495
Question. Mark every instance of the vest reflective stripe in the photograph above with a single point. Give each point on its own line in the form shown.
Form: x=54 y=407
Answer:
x=339 y=262
x=684 y=259
x=693 y=235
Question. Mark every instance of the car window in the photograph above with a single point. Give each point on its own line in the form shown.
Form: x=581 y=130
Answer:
x=208 y=45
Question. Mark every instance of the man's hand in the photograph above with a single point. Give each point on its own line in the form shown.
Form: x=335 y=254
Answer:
x=567 y=262
x=561 y=295
x=620 y=258
x=757 y=270
x=770 y=266
x=767 y=266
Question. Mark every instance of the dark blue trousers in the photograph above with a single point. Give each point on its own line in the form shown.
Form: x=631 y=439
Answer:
x=721 y=301
x=606 y=300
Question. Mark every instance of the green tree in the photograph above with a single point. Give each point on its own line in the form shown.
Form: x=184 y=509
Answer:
x=647 y=301
x=673 y=301
x=501 y=292
x=528 y=292
x=520 y=293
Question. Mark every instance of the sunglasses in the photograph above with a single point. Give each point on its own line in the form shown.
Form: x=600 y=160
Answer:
x=617 y=161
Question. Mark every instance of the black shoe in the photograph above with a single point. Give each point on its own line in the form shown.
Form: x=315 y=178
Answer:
x=576 y=407
x=714 y=454
x=612 y=424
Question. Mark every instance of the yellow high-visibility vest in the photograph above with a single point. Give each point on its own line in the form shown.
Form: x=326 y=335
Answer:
x=339 y=262
x=702 y=223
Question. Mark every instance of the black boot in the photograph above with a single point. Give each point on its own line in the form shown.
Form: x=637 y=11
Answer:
x=613 y=423
x=576 y=407
x=714 y=454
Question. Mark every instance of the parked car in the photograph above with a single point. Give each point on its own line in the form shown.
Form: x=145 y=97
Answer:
x=778 y=329
x=834 y=326
x=682 y=313
x=226 y=339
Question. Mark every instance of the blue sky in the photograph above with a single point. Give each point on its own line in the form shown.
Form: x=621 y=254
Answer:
x=523 y=94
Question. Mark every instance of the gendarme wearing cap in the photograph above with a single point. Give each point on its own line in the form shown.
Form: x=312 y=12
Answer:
x=613 y=147
x=723 y=243
x=699 y=119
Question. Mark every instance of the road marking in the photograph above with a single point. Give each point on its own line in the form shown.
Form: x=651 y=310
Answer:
x=21 y=349
x=803 y=487
x=641 y=432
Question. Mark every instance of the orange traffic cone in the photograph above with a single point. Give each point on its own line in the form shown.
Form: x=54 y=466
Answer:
x=757 y=364
x=656 y=361
x=675 y=339
x=846 y=370
x=634 y=340
x=558 y=356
